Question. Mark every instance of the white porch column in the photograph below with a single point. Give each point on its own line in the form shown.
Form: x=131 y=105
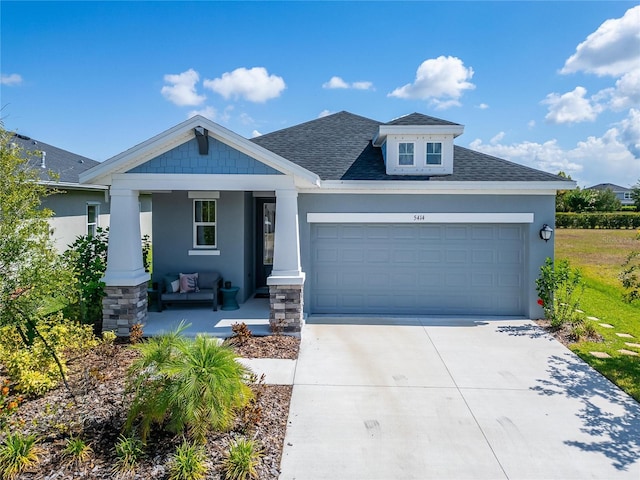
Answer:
x=125 y=301
x=124 y=260
x=286 y=251
x=287 y=278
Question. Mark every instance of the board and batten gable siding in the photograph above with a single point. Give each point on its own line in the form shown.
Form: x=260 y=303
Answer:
x=173 y=238
x=221 y=159
x=534 y=250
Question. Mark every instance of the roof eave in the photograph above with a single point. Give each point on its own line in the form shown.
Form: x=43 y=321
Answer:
x=177 y=135
x=446 y=187
x=384 y=130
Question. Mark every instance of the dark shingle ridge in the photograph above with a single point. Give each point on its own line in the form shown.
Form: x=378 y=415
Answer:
x=419 y=119
x=604 y=186
x=338 y=147
x=66 y=164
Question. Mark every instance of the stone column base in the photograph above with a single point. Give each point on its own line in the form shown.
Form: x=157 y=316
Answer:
x=122 y=307
x=286 y=312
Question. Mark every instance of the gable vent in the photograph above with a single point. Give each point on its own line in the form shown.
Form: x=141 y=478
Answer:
x=203 y=140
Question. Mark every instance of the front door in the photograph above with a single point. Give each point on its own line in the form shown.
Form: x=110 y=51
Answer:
x=265 y=229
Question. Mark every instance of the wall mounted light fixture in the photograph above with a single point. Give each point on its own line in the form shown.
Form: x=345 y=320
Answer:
x=545 y=232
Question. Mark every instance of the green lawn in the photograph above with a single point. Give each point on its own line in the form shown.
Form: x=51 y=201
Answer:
x=599 y=254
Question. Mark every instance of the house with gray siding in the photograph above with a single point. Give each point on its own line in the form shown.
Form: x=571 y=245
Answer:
x=341 y=215
x=78 y=209
x=622 y=193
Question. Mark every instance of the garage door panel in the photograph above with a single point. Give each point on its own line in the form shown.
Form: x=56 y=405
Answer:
x=456 y=256
x=417 y=269
x=483 y=256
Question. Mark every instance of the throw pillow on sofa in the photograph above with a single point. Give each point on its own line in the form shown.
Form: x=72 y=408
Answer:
x=172 y=283
x=189 y=282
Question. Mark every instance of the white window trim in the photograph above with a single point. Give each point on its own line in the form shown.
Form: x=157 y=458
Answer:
x=97 y=222
x=197 y=224
x=426 y=155
x=413 y=155
x=627 y=195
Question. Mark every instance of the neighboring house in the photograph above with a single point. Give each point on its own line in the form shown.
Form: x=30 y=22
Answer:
x=370 y=218
x=78 y=208
x=623 y=194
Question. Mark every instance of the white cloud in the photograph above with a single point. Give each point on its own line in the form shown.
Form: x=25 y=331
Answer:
x=255 y=134
x=571 y=107
x=440 y=80
x=324 y=113
x=608 y=158
x=362 y=85
x=10 y=80
x=483 y=106
x=630 y=132
x=338 y=83
x=497 y=138
x=611 y=50
x=335 y=82
x=531 y=124
x=182 y=88
x=253 y=84
x=246 y=119
x=207 y=112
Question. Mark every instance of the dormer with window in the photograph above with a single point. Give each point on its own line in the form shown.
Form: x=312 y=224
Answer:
x=417 y=144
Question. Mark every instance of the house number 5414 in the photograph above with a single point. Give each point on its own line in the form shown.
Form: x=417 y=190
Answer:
x=418 y=218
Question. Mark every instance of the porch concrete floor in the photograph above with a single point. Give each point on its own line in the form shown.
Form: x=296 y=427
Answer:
x=254 y=312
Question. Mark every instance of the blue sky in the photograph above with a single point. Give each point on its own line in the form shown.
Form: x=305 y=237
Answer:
x=552 y=85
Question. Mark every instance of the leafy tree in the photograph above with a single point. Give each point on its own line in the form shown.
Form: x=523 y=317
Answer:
x=586 y=200
x=606 y=201
x=635 y=195
x=87 y=259
x=31 y=269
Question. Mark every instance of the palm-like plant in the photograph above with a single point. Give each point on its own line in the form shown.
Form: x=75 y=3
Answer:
x=188 y=385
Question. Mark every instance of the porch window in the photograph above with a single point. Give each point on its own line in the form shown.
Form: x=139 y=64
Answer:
x=93 y=214
x=204 y=224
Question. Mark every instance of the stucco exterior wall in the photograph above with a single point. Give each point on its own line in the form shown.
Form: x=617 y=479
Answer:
x=173 y=239
x=70 y=214
x=536 y=250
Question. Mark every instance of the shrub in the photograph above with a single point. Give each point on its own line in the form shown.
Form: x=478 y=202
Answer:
x=241 y=460
x=77 y=451
x=185 y=385
x=87 y=259
x=188 y=462
x=241 y=333
x=32 y=367
x=606 y=220
x=559 y=288
x=135 y=333
x=17 y=453
x=630 y=277
x=129 y=451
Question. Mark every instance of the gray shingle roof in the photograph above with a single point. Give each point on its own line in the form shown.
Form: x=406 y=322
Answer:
x=66 y=164
x=611 y=186
x=338 y=147
x=419 y=119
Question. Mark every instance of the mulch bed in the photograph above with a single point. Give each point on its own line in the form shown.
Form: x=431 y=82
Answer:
x=95 y=410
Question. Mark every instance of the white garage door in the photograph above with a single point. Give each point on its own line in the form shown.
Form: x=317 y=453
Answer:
x=417 y=269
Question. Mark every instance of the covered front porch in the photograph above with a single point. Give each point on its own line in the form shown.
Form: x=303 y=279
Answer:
x=210 y=189
x=201 y=319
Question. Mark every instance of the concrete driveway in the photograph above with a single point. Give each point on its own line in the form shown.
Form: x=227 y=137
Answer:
x=452 y=399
